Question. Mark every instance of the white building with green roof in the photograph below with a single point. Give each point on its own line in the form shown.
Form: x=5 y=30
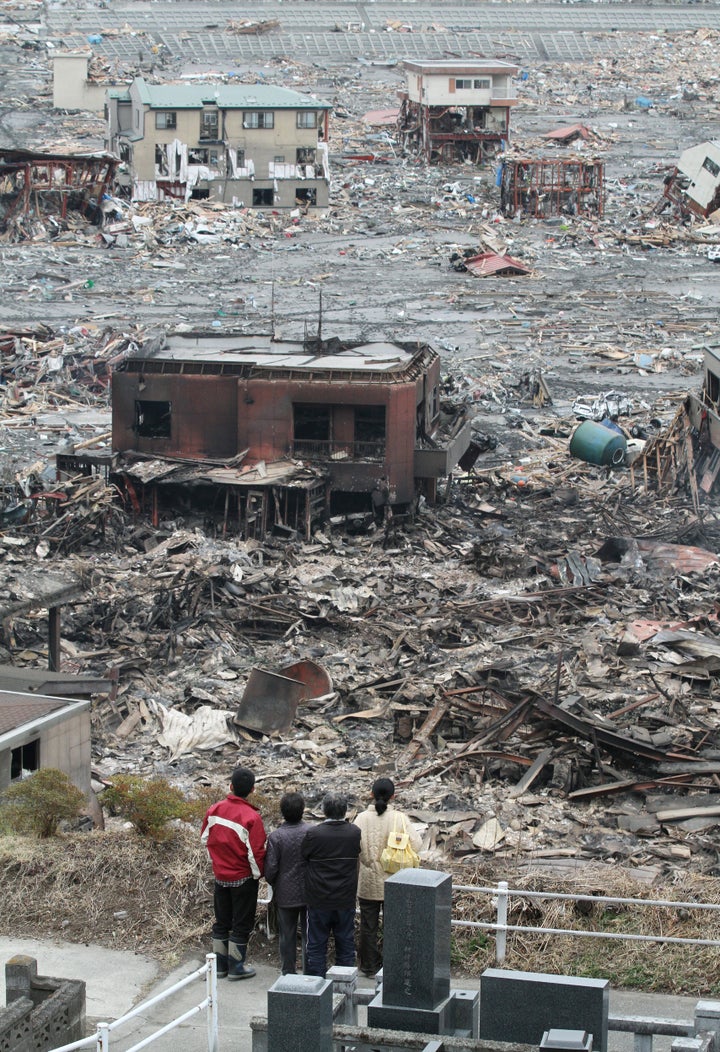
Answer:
x=246 y=144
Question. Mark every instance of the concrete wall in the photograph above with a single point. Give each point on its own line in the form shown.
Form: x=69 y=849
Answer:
x=64 y=745
x=42 y=1012
x=71 y=89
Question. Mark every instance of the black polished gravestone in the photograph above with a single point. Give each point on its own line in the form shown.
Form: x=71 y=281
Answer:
x=415 y=995
x=300 y=1014
x=521 y=1006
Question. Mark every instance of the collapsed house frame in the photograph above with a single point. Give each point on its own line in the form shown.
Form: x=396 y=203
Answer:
x=687 y=453
x=51 y=184
x=551 y=186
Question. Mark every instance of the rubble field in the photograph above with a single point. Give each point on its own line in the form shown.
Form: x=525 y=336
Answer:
x=533 y=659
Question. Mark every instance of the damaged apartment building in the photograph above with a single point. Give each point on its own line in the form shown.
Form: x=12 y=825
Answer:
x=456 y=110
x=263 y=434
x=251 y=145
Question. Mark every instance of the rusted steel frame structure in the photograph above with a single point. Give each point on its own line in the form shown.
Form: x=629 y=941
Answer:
x=549 y=186
x=51 y=183
x=423 y=128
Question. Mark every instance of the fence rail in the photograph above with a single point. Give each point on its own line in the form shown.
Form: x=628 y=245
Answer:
x=502 y=894
x=100 y=1040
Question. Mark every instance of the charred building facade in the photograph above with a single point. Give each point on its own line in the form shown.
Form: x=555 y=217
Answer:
x=281 y=431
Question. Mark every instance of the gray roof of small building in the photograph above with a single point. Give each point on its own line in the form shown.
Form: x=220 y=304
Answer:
x=226 y=96
x=264 y=352
x=18 y=709
x=461 y=65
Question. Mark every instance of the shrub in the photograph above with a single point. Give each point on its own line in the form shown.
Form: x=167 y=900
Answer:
x=149 y=803
x=38 y=804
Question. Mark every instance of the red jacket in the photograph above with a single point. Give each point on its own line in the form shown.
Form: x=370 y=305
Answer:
x=234 y=835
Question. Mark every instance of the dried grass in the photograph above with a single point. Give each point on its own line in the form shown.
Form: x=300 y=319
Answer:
x=690 y=970
x=112 y=888
x=125 y=892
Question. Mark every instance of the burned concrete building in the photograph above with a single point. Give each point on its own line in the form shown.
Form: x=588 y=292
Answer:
x=274 y=434
x=453 y=110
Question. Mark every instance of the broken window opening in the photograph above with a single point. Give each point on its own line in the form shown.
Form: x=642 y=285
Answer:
x=306 y=196
x=152 y=419
x=370 y=432
x=712 y=387
x=306 y=119
x=200 y=195
x=710 y=166
x=201 y=155
x=305 y=155
x=25 y=759
x=258 y=119
x=209 y=123
x=165 y=119
x=311 y=430
x=161 y=162
x=263 y=196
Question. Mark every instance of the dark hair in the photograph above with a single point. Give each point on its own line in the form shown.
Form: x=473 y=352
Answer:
x=383 y=790
x=242 y=781
x=334 y=806
x=292 y=806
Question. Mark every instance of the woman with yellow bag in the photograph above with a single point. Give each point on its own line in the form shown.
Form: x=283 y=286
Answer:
x=389 y=843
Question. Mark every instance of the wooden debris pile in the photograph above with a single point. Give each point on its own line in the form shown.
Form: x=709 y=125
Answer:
x=566 y=690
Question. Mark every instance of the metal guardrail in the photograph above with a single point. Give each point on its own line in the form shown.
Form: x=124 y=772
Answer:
x=502 y=894
x=100 y=1040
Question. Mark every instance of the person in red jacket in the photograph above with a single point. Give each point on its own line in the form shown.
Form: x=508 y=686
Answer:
x=234 y=835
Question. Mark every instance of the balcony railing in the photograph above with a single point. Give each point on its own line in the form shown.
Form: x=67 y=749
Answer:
x=310 y=449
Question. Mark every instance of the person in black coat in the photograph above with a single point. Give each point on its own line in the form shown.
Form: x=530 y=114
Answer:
x=284 y=871
x=330 y=851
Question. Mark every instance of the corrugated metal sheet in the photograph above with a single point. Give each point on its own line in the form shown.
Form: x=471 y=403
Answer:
x=491 y=263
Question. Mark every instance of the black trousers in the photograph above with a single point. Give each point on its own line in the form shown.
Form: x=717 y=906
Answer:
x=235 y=911
x=368 y=949
x=288 y=919
x=321 y=924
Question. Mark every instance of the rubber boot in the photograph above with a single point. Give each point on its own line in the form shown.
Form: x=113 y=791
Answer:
x=220 y=949
x=237 y=969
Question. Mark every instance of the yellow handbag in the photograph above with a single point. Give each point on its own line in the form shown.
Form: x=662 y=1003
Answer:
x=398 y=854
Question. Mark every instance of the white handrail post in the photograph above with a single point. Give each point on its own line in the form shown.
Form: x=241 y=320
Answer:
x=102 y=1037
x=212 y=999
x=502 y=912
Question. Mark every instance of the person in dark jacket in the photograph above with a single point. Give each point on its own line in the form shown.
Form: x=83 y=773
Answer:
x=284 y=872
x=331 y=850
x=234 y=834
